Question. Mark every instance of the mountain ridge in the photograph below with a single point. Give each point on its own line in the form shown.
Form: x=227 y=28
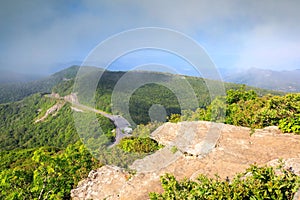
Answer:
x=15 y=91
x=285 y=80
x=10 y=92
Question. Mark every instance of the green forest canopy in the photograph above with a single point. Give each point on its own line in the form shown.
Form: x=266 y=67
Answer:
x=46 y=158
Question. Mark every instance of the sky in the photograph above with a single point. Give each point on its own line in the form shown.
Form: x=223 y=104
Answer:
x=41 y=37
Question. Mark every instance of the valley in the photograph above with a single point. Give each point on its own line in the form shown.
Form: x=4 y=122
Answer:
x=53 y=139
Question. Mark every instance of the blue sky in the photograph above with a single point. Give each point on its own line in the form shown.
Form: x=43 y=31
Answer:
x=40 y=37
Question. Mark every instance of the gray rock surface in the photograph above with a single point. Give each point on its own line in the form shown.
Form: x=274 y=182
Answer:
x=224 y=150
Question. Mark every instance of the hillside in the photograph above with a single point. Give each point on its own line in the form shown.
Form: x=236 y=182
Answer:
x=63 y=80
x=286 y=81
x=46 y=155
x=40 y=121
x=19 y=129
x=153 y=88
x=10 y=92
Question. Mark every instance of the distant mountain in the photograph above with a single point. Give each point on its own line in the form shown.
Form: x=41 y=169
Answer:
x=62 y=81
x=286 y=81
x=19 y=127
x=7 y=76
x=18 y=90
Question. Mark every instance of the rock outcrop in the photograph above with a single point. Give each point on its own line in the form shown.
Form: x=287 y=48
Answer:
x=192 y=138
x=71 y=98
x=192 y=148
x=103 y=183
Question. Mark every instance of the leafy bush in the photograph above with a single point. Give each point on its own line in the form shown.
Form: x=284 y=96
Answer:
x=289 y=125
x=174 y=118
x=145 y=130
x=245 y=108
x=139 y=145
x=255 y=183
x=241 y=94
x=44 y=173
x=282 y=111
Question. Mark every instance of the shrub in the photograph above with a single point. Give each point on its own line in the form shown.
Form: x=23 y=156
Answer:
x=139 y=145
x=255 y=183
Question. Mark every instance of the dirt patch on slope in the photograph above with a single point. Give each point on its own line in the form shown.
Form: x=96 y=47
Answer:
x=51 y=111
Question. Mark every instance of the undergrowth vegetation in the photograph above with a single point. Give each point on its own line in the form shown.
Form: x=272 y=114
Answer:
x=139 y=145
x=255 y=183
x=245 y=108
x=45 y=172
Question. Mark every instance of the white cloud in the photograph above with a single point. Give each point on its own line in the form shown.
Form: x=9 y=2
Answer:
x=37 y=34
x=269 y=47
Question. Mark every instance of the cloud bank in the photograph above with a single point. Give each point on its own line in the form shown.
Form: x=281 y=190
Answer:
x=37 y=36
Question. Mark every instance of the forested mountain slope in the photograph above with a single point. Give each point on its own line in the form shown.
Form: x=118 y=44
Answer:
x=24 y=124
x=41 y=150
x=16 y=91
x=19 y=129
x=141 y=98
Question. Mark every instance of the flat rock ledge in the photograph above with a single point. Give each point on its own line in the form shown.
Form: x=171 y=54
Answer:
x=193 y=148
